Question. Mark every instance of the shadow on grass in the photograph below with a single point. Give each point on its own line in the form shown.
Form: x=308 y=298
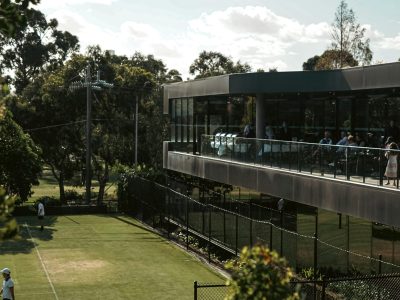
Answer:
x=28 y=227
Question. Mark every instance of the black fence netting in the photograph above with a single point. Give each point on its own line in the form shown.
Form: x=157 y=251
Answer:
x=215 y=222
x=377 y=287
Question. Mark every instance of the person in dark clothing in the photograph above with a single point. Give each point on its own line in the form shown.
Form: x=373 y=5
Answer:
x=393 y=131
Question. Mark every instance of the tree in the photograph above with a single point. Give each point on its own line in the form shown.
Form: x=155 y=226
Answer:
x=8 y=225
x=311 y=63
x=333 y=59
x=214 y=64
x=173 y=76
x=348 y=36
x=55 y=118
x=13 y=15
x=20 y=163
x=260 y=274
x=34 y=47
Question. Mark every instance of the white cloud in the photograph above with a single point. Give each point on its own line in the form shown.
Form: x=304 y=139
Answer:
x=49 y=4
x=252 y=34
x=392 y=43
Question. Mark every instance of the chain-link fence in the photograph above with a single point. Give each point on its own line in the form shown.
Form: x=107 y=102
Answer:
x=220 y=223
x=377 y=287
x=209 y=291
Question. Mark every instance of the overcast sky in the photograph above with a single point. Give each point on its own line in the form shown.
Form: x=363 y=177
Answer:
x=263 y=33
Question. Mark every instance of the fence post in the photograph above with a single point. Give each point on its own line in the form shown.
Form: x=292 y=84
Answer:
x=209 y=233
x=195 y=290
x=168 y=211
x=251 y=224
x=187 y=220
x=323 y=288
x=224 y=217
x=270 y=234
x=315 y=264
x=380 y=264
x=236 y=231
x=281 y=229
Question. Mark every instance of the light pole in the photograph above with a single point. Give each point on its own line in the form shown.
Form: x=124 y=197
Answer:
x=89 y=85
x=88 y=179
x=136 y=127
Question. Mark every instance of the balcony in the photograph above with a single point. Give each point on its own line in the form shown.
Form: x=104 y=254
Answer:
x=343 y=179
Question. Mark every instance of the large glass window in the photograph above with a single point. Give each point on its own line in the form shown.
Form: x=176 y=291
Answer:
x=344 y=113
x=184 y=120
x=178 y=119
x=217 y=107
x=172 y=120
x=190 y=119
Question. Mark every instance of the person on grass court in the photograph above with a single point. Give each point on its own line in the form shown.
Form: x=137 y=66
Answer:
x=8 y=285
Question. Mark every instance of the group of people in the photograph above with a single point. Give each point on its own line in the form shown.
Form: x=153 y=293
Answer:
x=391 y=134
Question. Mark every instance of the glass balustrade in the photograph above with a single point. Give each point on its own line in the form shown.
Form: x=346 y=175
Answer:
x=350 y=163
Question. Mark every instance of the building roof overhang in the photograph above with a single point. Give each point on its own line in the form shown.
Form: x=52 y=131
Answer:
x=381 y=76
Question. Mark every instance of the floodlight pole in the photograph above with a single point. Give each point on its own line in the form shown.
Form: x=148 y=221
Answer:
x=88 y=135
x=136 y=127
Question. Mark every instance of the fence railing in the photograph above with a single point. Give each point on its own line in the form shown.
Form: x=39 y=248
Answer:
x=377 y=287
x=350 y=163
x=218 y=227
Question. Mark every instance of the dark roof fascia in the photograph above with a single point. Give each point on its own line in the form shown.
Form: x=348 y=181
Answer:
x=353 y=79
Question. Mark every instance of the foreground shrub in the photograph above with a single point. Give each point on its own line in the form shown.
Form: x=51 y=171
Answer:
x=260 y=273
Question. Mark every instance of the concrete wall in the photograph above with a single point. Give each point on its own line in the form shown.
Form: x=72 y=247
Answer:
x=356 y=199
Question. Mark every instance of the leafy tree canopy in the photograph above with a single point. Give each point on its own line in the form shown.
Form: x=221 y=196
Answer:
x=20 y=163
x=35 y=46
x=13 y=15
x=215 y=63
x=8 y=225
x=260 y=273
x=348 y=37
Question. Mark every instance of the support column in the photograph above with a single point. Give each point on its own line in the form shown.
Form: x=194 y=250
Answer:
x=260 y=116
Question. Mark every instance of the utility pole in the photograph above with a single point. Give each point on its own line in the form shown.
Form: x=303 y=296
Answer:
x=88 y=135
x=136 y=127
x=90 y=86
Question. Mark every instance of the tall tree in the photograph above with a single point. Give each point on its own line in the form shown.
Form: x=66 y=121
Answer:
x=20 y=163
x=36 y=46
x=215 y=63
x=13 y=15
x=311 y=63
x=55 y=118
x=334 y=59
x=348 y=36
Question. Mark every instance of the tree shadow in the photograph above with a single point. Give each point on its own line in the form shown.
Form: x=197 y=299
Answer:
x=29 y=231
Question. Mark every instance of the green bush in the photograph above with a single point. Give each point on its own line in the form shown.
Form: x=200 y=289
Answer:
x=48 y=201
x=72 y=195
x=260 y=273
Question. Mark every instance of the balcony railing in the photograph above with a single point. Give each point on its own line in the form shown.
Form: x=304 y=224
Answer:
x=350 y=163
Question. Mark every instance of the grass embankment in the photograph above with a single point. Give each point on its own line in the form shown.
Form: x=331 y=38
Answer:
x=99 y=257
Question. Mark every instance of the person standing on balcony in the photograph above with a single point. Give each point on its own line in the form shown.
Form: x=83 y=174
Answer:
x=391 y=168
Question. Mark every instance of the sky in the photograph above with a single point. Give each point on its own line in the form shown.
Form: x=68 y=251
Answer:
x=264 y=33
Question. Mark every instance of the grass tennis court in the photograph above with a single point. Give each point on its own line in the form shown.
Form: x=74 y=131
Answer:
x=99 y=257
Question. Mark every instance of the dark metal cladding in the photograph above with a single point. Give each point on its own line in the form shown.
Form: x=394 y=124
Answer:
x=352 y=79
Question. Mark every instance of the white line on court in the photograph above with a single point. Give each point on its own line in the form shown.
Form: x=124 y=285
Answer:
x=43 y=265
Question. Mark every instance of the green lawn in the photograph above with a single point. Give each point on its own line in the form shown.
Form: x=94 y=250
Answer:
x=48 y=186
x=99 y=257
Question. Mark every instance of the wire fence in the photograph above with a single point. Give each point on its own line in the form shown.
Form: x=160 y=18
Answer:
x=377 y=287
x=228 y=225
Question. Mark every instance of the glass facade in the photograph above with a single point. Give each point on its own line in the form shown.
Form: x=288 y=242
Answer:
x=306 y=116
x=190 y=118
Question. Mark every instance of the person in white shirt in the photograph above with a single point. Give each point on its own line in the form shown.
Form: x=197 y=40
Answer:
x=41 y=214
x=8 y=285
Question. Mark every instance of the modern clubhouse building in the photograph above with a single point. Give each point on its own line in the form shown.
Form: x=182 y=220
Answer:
x=261 y=132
